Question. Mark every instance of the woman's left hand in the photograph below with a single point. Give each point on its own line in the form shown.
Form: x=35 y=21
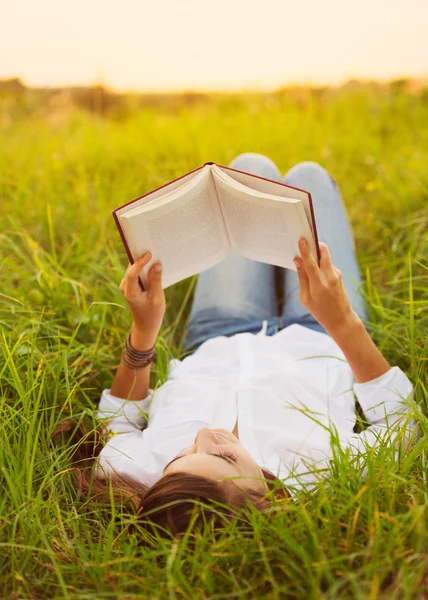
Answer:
x=322 y=291
x=148 y=307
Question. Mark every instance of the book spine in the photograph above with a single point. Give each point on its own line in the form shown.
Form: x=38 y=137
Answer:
x=127 y=248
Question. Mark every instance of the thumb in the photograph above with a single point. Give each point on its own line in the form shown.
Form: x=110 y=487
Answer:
x=155 y=280
x=303 y=281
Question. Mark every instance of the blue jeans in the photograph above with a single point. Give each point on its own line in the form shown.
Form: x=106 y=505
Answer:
x=238 y=294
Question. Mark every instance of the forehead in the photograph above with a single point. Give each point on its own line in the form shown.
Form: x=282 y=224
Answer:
x=204 y=465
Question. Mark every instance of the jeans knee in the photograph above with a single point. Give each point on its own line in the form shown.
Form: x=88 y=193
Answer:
x=257 y=164
x=309 y=171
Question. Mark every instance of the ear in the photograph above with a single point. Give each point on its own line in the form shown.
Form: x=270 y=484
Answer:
x=281 y=493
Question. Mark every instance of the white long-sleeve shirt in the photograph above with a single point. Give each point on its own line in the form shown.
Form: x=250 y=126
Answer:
x=287 y=392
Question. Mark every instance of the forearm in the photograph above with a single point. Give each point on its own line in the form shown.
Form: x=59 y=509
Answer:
x=134 y=384
x=365 y=359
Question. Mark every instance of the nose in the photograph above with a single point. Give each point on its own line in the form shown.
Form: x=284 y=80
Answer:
x=205 y=440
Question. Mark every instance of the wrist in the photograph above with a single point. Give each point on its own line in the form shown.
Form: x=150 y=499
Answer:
x=142 y=340
x=346 y=327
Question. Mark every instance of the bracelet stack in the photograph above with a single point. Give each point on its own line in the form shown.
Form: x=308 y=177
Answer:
x=137 y=359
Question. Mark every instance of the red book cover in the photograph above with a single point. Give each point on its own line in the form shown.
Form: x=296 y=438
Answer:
x=128 y=252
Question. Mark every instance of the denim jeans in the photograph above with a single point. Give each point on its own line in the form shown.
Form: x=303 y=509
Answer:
x=238 y=294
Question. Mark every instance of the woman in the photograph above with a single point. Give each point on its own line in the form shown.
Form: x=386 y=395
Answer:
x=262 y=398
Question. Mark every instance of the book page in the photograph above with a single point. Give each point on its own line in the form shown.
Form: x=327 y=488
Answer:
x=156 y=195
x=268 y=187
x=262 y=228
x=186 y=233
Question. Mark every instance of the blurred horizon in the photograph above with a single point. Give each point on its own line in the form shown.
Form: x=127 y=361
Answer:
x=416 y=84
x=175 y=46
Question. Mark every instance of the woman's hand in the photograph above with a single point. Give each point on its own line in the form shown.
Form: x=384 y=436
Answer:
x=322 y=291
x=148 y=307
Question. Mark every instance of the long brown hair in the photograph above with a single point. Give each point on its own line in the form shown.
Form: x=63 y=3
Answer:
x=172 y=503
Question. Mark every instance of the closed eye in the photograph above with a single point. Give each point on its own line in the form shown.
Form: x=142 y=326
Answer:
x=229 y=456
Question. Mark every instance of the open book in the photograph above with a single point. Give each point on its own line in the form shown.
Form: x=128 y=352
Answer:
x=193 y=222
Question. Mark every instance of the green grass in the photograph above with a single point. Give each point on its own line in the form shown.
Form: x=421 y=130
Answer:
x=64 y=322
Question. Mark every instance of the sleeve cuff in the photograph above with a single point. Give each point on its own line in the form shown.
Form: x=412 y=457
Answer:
x=123 y=415
x=384 y=396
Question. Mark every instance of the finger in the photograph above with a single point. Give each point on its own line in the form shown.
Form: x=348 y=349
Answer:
x=335 y=276
x=155 y=281
x=311 y=267
x=303 y=279
x=325 y=260
x=135 y=269
x=129 y=286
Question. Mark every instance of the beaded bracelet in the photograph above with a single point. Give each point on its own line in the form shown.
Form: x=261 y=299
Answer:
x=137 y=359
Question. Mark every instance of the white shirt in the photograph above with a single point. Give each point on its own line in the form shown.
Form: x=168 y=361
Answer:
x=287 y=392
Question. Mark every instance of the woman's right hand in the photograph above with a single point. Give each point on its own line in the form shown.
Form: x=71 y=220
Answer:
x=322 y=291
x=148 y=307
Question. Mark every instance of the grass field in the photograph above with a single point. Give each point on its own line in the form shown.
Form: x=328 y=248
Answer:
x=64 y=322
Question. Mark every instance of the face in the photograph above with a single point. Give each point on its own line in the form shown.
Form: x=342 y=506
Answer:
x=218 y=455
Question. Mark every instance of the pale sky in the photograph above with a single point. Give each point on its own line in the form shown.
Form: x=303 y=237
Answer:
x=216 y=44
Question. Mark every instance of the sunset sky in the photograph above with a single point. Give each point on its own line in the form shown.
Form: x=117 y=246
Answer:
x=226 y=44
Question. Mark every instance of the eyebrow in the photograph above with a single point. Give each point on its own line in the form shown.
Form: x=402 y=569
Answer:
x=226 y=458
